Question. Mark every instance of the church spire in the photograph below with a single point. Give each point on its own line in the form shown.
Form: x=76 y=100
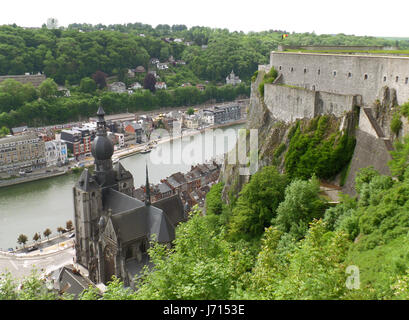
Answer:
x=148 y=189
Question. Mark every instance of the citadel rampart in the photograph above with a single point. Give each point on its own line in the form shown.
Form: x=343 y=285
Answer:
x=289 y=103
x=312 y=84
x=344 y=74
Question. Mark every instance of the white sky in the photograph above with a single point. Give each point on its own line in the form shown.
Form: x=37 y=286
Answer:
x=358 y=17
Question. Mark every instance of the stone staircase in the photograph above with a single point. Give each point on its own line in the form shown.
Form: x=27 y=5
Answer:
x=378 y=129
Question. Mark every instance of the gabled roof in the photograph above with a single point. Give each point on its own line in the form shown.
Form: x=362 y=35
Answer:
x=173 y=207
x=69 y=281
x=119 y=202
x=132 y=219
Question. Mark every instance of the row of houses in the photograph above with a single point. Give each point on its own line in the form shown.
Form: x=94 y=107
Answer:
x=191 y=186
x=28 y=152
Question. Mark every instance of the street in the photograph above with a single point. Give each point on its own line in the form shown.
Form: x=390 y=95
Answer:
x=21 y=266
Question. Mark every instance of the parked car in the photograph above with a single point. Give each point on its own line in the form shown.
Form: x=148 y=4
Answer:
x=32 y=248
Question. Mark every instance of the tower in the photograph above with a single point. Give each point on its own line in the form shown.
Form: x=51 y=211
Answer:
x=148 y=189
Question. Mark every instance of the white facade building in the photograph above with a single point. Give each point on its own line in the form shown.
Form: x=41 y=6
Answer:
x=55 y=152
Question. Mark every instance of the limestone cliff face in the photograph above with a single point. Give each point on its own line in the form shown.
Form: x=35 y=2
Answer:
x=371 y=128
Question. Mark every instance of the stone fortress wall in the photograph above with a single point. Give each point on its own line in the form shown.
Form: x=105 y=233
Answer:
x=312 y=83
x=344 y=74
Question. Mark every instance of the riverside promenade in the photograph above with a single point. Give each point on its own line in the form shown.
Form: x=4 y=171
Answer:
x=50 y=255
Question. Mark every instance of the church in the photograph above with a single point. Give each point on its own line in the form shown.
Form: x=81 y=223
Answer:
x=113 y=230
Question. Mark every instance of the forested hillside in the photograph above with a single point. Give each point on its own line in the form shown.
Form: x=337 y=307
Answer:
x=76 y=56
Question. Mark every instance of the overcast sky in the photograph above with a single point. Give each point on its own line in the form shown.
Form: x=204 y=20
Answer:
x=358 y=17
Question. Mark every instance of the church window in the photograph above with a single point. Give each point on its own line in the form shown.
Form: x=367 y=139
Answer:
x=335 y=73
x=396 y=79
x=384 y=79
x=349 y=74
x=319 y=71
x=365 y=76
x=279 y=68
x=291 y=69
x=406 y=80
x=305 y=70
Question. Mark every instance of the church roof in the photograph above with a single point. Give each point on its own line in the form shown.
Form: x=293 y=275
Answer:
x=132 y=219
x=119 y=202
x=173 y=208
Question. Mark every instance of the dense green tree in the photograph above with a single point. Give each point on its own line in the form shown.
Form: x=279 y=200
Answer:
x=22 y=239
x=301 y=205
x=257 y=203
x=88 y=85
x=48 y=89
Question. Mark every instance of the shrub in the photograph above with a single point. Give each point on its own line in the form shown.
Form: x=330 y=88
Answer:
x=396 y=123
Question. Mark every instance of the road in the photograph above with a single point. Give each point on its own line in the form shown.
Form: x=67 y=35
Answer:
x=51 y=259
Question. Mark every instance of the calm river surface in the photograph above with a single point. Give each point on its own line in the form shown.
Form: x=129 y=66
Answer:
x=34 y=206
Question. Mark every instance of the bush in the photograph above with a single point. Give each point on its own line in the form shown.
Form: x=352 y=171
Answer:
x=396 y=123
x=257 y=204
x=300 y=206
x=269 y=77
x=214 y=203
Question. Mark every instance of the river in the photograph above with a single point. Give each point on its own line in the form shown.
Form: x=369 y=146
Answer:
x=34 y=206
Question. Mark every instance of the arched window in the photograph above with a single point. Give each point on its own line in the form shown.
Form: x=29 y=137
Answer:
x=397 y=79
x=291 y=69
x=334 y=73
x=319 y=71
x=365 y=76
x=406 y=80
x=305 y=70
x=349 y=74
x=384 y=79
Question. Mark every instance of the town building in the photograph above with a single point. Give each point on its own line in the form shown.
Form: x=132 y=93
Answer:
x=118 y=87
x=22 y=152
x=113 y=229
x=140 y=69
x=154 y=60
x=232 y=79
x=55 y=153
x=160 y=85
x=162 y=66
x=121 y=139
x=78 y=141
x=133 y=132
x=208 y=117
x=227 y=113
x=34 y=79
x=192 y=121
x=19 y=130
x=136 y=86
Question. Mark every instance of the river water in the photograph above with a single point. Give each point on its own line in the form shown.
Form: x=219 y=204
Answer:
x=34 y=206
